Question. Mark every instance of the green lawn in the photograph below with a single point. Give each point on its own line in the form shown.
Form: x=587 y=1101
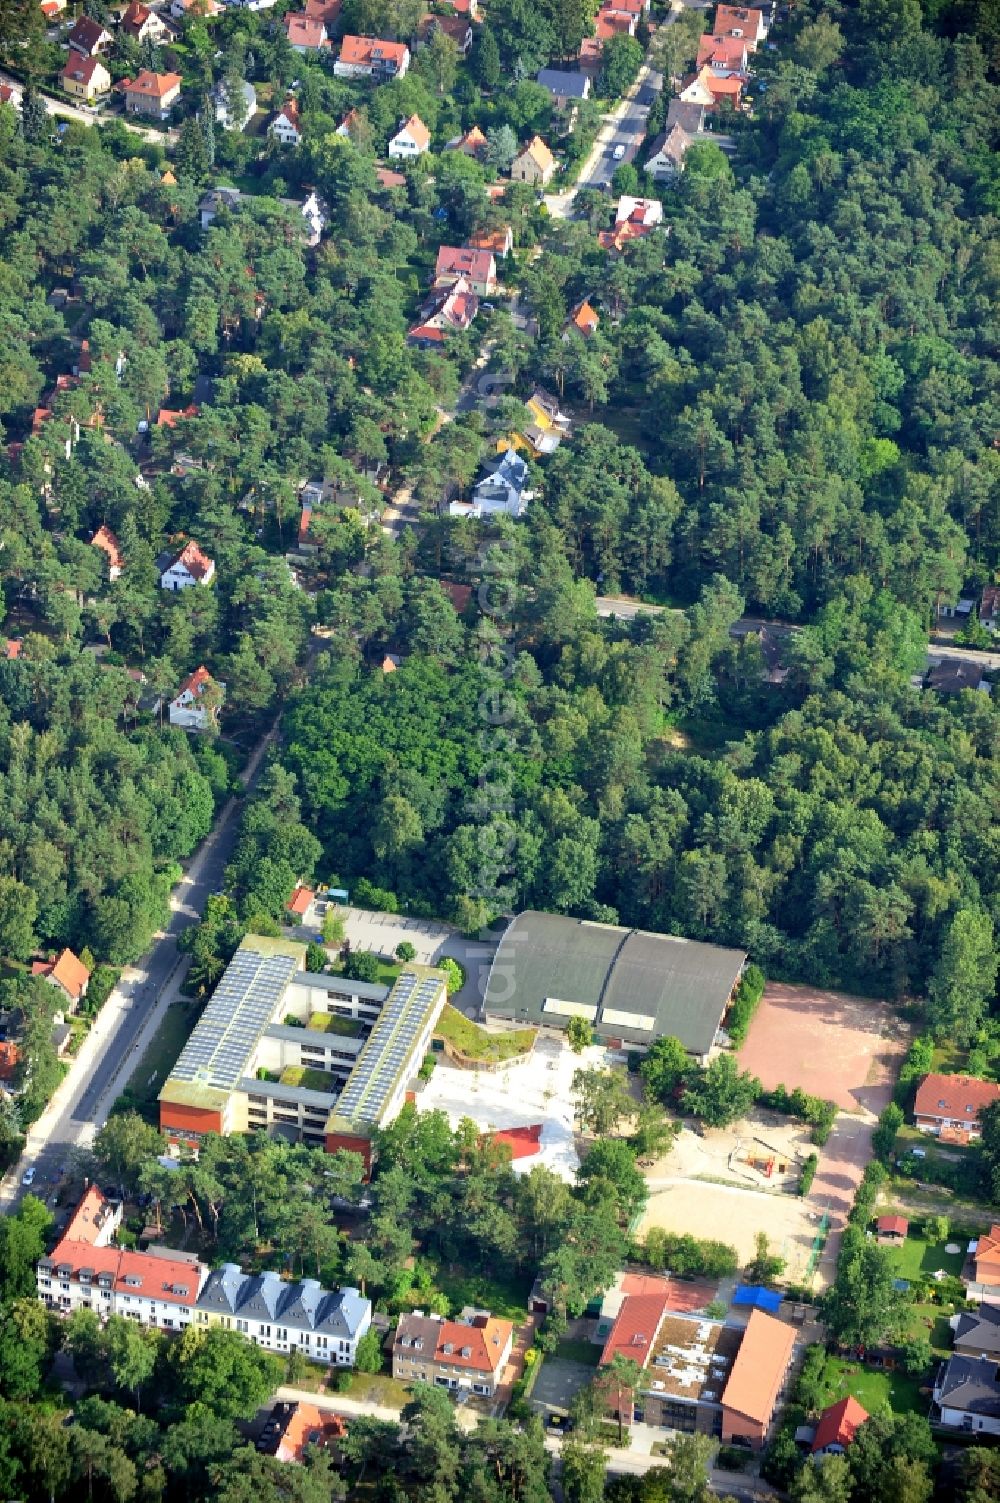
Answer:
x=931 y=1321
x=161 y=1056
x=371 y=1388
x=308 y=1079
x=332 y=1022
x=388 y=970
x=475 y=1043
x=504 y=1294
x=918 y=1259
x=871 y=1387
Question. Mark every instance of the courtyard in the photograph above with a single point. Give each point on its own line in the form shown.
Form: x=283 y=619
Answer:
x=536 y=1089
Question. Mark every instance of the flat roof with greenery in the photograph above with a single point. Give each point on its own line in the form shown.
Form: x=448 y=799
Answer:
x=476 y=1043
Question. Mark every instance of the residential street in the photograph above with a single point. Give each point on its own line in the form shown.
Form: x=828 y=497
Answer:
x=90 y=117
x=625 y=126
x=130 y=1016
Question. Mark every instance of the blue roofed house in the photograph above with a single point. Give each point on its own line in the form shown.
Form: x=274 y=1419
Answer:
x=323 y=1325
x=503 y=490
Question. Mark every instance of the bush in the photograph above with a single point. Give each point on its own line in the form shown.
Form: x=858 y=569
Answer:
x=367 y=895
x=454 y=974
x=316 y=958
x=427 y=1067
x=683 y=1254
x=369 y=1357
x=919 y=1058
x=578 y=1034
x=745 y=1003
x=101 y=985
x=808 y=1174
x=884 y=1136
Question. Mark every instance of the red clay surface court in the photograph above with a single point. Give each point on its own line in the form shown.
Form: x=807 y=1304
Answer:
x=827 y=1043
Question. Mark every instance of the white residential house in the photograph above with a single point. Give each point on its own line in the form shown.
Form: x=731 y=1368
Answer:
x=234 y=114
x=666 y=160
x=967 y=1395
x=190 y=567
x=411 y=140
x=502 y=491
x=324 y=1325
x=314 y=219
x=85 y=1271
x=286 y=127
x=187 y=708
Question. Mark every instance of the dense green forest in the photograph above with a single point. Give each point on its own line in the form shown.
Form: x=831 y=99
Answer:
x=790 y=406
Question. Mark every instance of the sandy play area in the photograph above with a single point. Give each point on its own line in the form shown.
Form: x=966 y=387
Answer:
x=685 y=1196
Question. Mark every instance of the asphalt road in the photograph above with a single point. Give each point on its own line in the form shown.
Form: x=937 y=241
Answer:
x=84 y=1094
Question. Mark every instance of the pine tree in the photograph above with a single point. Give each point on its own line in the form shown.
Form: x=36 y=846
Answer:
x=192 y=157
x=34 y=116
x=487 y=60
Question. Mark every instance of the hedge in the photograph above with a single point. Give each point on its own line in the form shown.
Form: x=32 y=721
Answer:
x=745 y=1003
x=808 y=1174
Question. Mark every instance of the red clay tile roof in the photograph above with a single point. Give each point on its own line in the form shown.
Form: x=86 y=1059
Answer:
x=495 y=241
x=169 y=417
x=300 y=899
x=327 y=11
x=609 y=25
x=85 y=1223
x=12 y=649
x=453 y=260
x=305 y=31
x=759 y=1367
x=151 y=85
x=585 y=318
x=197 y=564
x=82 y=69
x=729 y=51
x=386 y=178
x=477 y=1347
x=173 y=1281
x=959 y=1096
x=309 y=1426
x=458 y=594
x=69 y=972
x=135 y=18
x=839 y=1424
x=88 y=34
x=194 y=683
x=105 y=539
x=635 y=1327
x=417 y=131
x=290 y=111
x=987 y=1254
x=892 y=1226
x=9 y=1056
x=357 y=51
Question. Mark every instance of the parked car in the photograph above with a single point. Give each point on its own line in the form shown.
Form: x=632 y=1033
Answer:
x=618 y=152
x=28 y=1177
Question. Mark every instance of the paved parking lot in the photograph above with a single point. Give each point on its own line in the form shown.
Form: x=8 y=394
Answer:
x=557 y=1384
x=382 y=932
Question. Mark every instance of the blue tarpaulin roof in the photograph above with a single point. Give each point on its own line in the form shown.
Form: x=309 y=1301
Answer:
x=757 y=1296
